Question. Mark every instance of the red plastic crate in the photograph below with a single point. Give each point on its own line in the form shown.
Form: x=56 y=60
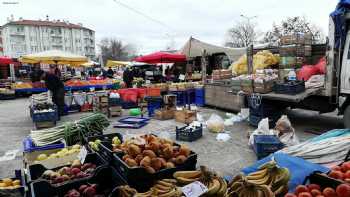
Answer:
x=153 y=91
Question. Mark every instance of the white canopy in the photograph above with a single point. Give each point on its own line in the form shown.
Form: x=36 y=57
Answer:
x=194 y=48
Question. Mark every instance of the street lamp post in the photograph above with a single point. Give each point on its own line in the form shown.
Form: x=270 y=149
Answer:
x=250 y=47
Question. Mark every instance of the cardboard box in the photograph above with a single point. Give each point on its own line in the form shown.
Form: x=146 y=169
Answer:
x=164 y=114
x=185 y=116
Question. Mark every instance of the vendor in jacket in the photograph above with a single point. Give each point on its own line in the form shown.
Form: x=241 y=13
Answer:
x=56 y=86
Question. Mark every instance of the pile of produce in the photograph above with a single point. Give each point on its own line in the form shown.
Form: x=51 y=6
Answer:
x=323 y=151
x=75 y=171
x=261 y=60
x=162 y=188
x=216 y=185
x=84 y=191
x=241 y=187
x=76 y=83
x=8 y=183
x=341 y=172
x=100 y=82
x=23 y=85
x=43 y=107
x=152 y=153
x=71 y=132
x=314 y=190
x=270 y=178
x=115 y=142
x=59 y=154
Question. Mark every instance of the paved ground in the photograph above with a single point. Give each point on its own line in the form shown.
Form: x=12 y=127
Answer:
x=225 y=157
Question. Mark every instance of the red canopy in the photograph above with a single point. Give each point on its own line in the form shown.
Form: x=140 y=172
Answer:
x=161 y=57
x=5 y=60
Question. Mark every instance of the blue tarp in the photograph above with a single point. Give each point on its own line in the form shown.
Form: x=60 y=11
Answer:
x=340 y=26
x=298 y=167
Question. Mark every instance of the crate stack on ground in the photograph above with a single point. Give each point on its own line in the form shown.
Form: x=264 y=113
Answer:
x=199 y=96
x=42 y=111
x=168 y=109
x=260 y=109
x=294 y=50
x=100 y=103
x=154 y=100
x=114 y=106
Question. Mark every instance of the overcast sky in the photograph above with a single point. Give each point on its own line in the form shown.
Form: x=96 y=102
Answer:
x=206 y=20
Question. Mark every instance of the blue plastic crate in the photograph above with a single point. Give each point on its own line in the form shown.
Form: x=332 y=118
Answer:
x=44 y=116
x=129 y=105
x=291 y=87
x=264 y=145
x=184 y=135
x=199 y=101
x=254 y=119
x=199 y=92
x=180 y=97
x=29 y=146
x=190 y=96
x=114 y=101
x=152 y=106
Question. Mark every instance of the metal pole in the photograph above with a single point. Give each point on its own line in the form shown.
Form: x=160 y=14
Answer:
x=204 y=66
x=250 y=59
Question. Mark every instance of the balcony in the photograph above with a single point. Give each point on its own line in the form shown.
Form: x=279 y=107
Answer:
x=17 y=33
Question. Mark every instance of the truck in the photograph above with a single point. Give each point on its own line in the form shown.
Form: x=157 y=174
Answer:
x=335 y=94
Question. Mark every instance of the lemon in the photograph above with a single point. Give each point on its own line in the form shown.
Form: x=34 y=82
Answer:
x=41 y=157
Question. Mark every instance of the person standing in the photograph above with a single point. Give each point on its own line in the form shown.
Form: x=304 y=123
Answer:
x=128 y=77
x=56 y=87
x=110 y=73
x=36 y=73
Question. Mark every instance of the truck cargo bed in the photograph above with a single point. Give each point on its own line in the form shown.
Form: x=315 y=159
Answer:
x=292 y=98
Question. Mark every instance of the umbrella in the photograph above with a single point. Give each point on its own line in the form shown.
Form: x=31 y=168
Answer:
x=5 y=60
x=54 y=57
x=161 y=57
x=112 y=63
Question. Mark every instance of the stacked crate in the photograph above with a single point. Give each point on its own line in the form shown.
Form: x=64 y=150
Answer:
x=100 y=104
x=115 y=107
x=294 y=50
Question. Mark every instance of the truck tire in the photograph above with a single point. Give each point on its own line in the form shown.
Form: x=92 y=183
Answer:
x=346 y=117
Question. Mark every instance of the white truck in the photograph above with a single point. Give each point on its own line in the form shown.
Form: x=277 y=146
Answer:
x=335 y=94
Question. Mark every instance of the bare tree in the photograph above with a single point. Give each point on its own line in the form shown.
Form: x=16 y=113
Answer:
x=293 y=25
x=241 y=34
x=114 y=49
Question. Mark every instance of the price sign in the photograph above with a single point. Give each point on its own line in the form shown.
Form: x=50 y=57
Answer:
x=194 y=189
x=82 y=154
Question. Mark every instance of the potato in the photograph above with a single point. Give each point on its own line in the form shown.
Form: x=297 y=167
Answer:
x=149 y=153
x=168 y=152
x=138 y=158
x=131 y=162
x=134 y=150
x=180 y=159
x=184 y=150
x=169 y=165
x=154 y=146
x=156 y=164
x=150 y=170
x=163 y=161
x=146 y=161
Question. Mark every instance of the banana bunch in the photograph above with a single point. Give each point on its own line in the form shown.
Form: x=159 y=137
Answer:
x=162 y=188
x=216 y=185
x=276 y=178
x=241 y=187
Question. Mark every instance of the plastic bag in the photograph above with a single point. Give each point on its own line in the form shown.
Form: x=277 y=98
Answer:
x=263 y=129
x=215 y=123
x=289 y=139
x=286 y=132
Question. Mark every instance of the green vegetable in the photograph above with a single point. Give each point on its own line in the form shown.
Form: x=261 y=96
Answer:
x=71 y=132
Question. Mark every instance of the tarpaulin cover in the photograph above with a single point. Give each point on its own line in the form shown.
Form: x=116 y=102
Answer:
x=298 y=167
x=161 y=57
x=339 y=21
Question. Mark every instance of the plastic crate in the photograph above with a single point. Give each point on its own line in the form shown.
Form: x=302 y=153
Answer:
x=129 y=105
x=199 y=92
x=153 y=91
x=153 y=104
x=114 y=101
x=182 y=134
x=105 y=139
x=291 y=88
x=45 y=116
x=199 y=101
x=322 y=180
x=266 y=144
x=254 y=120
x=180 y=97
x=35 y=171
x=29 y=146
x=141 y=180
x=19 y=175
x=106 y=178
x=190 y=96
x=133 y=120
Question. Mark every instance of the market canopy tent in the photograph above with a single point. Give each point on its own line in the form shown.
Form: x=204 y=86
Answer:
x=89 y=64
x=5 y=60
x=194 y=48
x=54 y=57
x=114 y=63
x=161 y=57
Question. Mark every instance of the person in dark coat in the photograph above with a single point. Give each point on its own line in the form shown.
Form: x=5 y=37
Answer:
x=128 y=77
x=56 y=86
x=110 y=73
x=36 y=73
